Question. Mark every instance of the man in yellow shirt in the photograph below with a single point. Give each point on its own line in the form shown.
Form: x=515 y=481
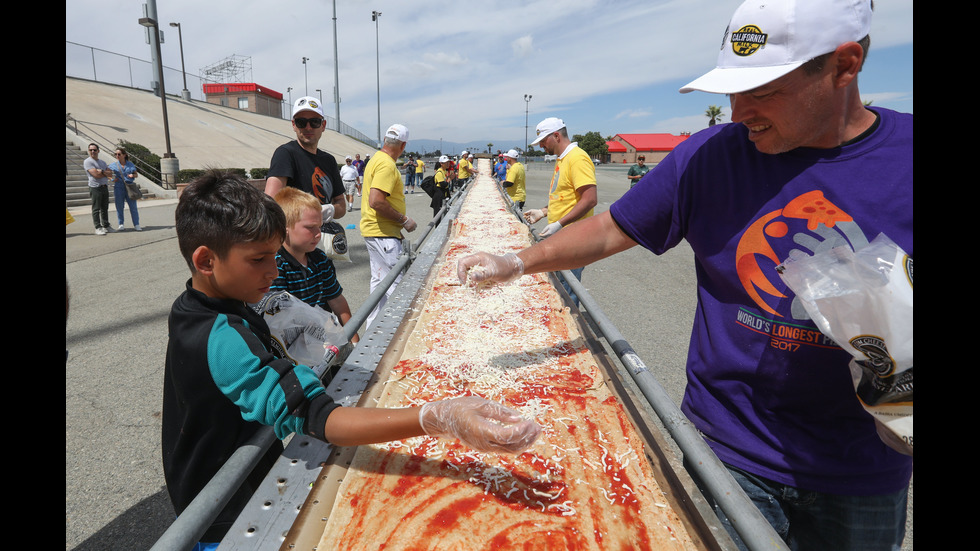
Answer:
x=464 y=169
x=383 y=210
x=514 y=182
x=572 y=195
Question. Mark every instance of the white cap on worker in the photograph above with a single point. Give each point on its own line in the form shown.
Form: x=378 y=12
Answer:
x=397 y=132
x=766 y=40
x=348 y=158
x=512 y=154
x=464 y=152
x=547 y=126
x=307 y=103
x=444 y=159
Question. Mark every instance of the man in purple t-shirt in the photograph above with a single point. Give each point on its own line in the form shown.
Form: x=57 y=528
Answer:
x=804 y=165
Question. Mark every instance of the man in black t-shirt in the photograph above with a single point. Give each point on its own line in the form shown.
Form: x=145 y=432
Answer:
x=302 y=165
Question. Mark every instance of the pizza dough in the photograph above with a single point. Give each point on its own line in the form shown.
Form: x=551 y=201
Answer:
x=585 y=484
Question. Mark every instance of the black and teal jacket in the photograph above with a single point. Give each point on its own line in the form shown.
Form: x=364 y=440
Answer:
x=221 y=384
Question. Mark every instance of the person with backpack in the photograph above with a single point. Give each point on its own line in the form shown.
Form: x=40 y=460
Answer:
x=442 y=180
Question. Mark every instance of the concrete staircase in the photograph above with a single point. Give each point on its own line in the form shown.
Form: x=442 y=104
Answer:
x=76 y=181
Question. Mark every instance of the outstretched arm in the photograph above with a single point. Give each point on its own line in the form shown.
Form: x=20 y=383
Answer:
x=478 y=423
x=579 y=244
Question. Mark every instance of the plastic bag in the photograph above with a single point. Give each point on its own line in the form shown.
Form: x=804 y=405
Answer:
x=863 y=300
x=300 y=332
x=333 y=241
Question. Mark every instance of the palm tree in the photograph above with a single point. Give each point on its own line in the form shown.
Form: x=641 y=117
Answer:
x=714 y=114
x=490 y=145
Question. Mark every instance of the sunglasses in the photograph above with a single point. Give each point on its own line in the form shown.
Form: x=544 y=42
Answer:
x=91 y=150
x=301 y=122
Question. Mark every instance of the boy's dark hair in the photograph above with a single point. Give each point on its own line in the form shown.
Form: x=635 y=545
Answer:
x=219 y=210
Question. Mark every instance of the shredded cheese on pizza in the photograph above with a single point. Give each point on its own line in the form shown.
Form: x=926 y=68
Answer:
x=584 y=485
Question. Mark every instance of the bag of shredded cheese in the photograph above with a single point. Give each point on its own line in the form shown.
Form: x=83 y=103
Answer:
x=863 y=300
x=300 y=332
x=333 y=241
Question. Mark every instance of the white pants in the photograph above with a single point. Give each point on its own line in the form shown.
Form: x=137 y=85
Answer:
x=383 y=252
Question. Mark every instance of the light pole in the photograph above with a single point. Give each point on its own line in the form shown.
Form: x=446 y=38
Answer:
x=180 y=39
x=168 y=165
x=336 y=68
x=527 y=104
x=319 y=94
x=305 y=81
x=376 y=17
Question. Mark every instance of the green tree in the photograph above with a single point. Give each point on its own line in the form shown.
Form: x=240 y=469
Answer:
x=592 y=143
x=714 y=114
x=141 y=156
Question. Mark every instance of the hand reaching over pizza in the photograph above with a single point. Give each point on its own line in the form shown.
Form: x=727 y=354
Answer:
x=487 y=267
x=480 y=424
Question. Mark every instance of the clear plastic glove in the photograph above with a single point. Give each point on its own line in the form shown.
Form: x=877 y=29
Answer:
x=550 y=229
x=409 y=224
x=533 y=215
x=480 y=424
x=485 y=266
x=326 y=212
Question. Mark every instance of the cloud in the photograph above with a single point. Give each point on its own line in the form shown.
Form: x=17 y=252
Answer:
x=633 y=114
x=523 y=46
x=442 y=59
x=445 y=71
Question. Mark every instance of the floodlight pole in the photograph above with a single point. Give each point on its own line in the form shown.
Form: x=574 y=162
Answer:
x=376 y=17
x=527 y=105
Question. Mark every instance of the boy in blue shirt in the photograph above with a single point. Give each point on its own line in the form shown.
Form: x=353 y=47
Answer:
x=222 y=381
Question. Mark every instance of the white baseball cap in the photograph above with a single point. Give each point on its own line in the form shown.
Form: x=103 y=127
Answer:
x=398 y=132
x=546 y=127
x=444 y=159
x=307 y=103
x=766 y=40
x=512 y=154
x=464 y=152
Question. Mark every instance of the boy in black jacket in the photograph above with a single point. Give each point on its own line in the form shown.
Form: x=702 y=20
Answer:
x=223 y=381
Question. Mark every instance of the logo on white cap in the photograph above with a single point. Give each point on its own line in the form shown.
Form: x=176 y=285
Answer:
x=747 y=40
x=307 y=103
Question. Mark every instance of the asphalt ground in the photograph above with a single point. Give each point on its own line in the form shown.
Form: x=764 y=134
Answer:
x=122 y=288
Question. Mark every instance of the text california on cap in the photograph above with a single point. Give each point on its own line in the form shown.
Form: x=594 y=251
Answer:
x=765 y=40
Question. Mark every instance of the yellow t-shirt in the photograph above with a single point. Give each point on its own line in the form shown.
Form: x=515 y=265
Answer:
x=382 y=173
x=573 y=171
x=515 y=173
x=464 y=169
x=441 y=178
x=420 y=168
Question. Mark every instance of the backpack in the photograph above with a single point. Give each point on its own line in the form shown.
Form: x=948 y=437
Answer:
x=428 y=185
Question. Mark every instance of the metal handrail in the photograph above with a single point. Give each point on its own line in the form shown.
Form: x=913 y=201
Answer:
x=145 y=170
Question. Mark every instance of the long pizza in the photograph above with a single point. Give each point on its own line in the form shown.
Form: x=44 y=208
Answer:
x=585 y=484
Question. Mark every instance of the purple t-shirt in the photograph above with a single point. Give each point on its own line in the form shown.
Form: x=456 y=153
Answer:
x=772 y=395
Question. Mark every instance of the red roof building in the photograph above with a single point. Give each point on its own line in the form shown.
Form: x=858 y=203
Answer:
x=624 y=148
x=248 y=96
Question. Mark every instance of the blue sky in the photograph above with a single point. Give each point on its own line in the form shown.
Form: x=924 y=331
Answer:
x=459 y=70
